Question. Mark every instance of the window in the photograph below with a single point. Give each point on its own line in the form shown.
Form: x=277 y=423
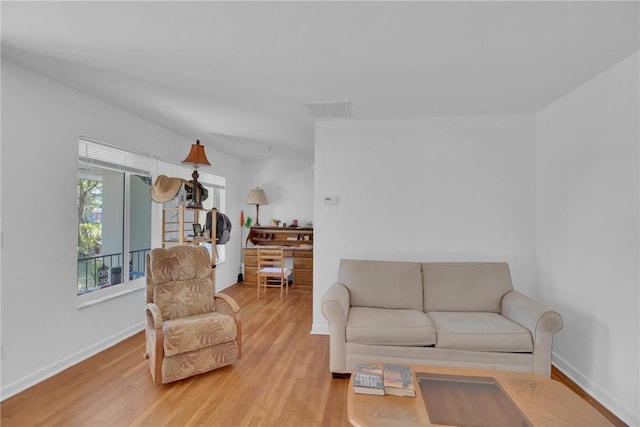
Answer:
x=114 y=216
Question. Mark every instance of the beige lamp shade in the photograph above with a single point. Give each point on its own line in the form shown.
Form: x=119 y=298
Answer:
x=257 y=197
x=197 y=155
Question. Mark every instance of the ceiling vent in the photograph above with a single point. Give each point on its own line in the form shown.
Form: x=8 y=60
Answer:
x=329 y=109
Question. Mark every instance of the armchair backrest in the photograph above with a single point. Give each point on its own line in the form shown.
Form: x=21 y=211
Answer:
x=180 y=281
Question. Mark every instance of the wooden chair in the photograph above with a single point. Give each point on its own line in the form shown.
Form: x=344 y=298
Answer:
x=271 y=267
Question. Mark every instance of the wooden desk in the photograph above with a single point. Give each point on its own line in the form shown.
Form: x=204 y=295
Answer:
x=302 y=265
x=544 y=402
x=280 y=236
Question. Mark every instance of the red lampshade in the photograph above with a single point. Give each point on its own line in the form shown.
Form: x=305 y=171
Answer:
x=197 y=155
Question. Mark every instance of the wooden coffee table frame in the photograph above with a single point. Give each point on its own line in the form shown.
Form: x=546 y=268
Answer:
x=544 y=402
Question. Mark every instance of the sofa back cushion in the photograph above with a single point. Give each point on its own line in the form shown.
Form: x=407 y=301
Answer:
x=465 y=286
x=382 y=284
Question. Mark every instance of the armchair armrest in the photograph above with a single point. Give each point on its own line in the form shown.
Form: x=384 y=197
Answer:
x=542 y=322
x=230 y=303
x=154 y=317
x=335 y=308
x=153 y=341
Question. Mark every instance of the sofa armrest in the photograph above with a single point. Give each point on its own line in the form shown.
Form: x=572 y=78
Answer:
x=335 y=308
x=337 y=293
x=542 y=322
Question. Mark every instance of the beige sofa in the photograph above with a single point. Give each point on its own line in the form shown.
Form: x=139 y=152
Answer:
x=453 y=314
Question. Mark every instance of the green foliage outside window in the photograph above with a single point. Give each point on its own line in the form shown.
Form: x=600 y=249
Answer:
x=89 y=240
x=89 y=221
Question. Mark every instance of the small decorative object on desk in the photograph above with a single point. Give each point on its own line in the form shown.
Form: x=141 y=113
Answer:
x=398 y=380
x=368 y=379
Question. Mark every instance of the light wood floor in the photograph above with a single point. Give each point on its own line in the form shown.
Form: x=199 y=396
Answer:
x=282 y=379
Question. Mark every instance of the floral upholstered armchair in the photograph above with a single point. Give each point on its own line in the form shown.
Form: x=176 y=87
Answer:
x=190 y=329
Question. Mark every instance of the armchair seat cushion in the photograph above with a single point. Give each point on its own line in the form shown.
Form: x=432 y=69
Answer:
x=385 y=326
x=195 y=332
x=480 y=332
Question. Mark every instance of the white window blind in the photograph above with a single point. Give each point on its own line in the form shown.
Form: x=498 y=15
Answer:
x=101 y=154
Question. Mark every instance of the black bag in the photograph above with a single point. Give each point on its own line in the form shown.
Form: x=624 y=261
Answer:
x=223 y=227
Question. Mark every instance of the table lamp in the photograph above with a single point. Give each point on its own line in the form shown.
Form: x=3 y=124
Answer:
x=197 y=157
x=257 y=197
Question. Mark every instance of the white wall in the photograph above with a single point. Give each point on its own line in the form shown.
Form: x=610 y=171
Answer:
x=43 y=330
x=438 y=189
x=288 y=185
x=587 y=230
x=1 y=243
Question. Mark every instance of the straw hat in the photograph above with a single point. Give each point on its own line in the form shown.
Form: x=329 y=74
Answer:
x=165 y=188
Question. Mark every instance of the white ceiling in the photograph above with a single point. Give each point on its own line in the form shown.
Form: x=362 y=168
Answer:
x=236 y=75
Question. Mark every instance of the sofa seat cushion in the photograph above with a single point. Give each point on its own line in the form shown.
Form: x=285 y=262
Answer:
x=195 y=332
x=480 y=332
x=386 y=326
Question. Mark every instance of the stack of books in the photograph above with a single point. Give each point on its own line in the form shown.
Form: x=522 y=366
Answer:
x=381 y=379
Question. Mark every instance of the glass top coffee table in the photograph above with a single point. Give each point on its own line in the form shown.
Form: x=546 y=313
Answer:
x=449 y=396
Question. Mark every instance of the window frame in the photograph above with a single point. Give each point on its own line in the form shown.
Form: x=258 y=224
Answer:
x=104 y=156
x=156 y=166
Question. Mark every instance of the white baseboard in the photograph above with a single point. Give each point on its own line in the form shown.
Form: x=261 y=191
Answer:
x=319 y=329
x=222 y=288
x=597 y=392
x=59 y=366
